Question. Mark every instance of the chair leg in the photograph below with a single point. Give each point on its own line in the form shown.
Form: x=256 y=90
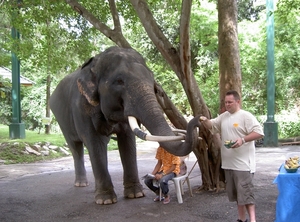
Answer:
x=181 y=186
x=160 y=193
x=177 y=184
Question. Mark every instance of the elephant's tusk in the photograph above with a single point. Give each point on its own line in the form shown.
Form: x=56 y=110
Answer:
x=140 y=134
x=178 y=130
x=182 y=132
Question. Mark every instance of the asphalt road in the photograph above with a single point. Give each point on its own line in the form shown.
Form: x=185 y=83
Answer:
x=45 y=192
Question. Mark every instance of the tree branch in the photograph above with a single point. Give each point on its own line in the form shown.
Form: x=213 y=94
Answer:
x=167 y=50
x=185 y=51
x=115 y=35
x=169 y=108
x=115 y=16
x=188 y=79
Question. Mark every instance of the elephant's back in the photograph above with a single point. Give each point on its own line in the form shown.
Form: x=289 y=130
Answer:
x=64 y=93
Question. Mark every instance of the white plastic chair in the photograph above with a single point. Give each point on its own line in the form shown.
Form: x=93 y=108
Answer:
x=178 y=183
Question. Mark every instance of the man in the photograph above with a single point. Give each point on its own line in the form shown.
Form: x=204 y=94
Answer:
x=166 y=168
x=238 y=161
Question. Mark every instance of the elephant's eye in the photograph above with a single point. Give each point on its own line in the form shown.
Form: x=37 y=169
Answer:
x=119 y=82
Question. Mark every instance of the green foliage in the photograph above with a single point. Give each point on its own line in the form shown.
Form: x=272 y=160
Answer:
x=253 y=66
x=286 y=10
x=45 y=37
x=33 y=102
x=5 y=36
x=5 y=100
x=56 y=42
x=247 y=10
x=288 y=123
x=287 y=61
x=288 y=129
x=204 y=50
x=33 y=110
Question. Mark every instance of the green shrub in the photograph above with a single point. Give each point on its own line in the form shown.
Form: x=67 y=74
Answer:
x=288 y=124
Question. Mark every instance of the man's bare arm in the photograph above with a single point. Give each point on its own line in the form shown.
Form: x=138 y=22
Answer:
x=206 y=122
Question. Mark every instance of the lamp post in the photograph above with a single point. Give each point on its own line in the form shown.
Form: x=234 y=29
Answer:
x=16 y=128
x=270 y=126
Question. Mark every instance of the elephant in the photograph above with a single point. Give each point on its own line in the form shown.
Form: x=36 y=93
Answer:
x=113 y=94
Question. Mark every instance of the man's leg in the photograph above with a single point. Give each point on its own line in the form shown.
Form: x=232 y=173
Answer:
x=149 y=184
x=251 y=212
x=245 y=195
x=242 y=212
x=163 y=182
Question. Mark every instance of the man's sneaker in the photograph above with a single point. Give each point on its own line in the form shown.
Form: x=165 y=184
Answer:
x=156 y=199
x=167 y=199
x=242 y=221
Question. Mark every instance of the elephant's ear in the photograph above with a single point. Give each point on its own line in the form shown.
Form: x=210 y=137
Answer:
x=87 y=62
x=87 y=85
x=89 y=90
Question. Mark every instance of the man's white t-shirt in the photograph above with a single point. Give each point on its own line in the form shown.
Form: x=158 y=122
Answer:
x=232 y=127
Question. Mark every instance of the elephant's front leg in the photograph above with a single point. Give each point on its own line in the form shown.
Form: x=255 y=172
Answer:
x=127 y=149
x=104 y=190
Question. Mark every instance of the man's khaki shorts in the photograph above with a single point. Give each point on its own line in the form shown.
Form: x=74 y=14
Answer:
x=239 y=186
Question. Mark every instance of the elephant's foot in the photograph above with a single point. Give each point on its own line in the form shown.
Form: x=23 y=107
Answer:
x=81 y=181
x=106 y=197
x=133 y=191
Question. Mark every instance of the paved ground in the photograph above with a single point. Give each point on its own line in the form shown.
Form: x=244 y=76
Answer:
x=45 y=192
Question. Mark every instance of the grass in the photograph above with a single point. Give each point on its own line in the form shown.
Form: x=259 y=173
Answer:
x=13 y=150
x=32 y=137
x=12 y=153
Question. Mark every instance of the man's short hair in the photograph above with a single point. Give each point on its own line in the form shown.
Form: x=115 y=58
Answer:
x=235 y=94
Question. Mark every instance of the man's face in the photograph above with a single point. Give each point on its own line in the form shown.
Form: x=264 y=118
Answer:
x=231 y=104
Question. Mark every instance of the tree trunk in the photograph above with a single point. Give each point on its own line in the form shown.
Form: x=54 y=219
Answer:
x=229 y=58
x=48 y=84
x=48 y=93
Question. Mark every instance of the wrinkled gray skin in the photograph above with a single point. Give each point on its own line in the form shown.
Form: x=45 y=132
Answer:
x=93 y=102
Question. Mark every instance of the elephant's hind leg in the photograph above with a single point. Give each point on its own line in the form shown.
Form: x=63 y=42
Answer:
x=78 y=157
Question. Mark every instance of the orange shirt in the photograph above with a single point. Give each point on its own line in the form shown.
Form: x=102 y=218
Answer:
x=168 y=160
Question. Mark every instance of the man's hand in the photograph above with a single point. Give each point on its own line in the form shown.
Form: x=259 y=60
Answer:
x=239 y=142
x=206 y=122
x=158 y=176
x=202 y=118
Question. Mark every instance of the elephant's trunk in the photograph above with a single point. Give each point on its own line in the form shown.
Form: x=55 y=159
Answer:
x=167 y=142
x=180 y=148
x=151 y=116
